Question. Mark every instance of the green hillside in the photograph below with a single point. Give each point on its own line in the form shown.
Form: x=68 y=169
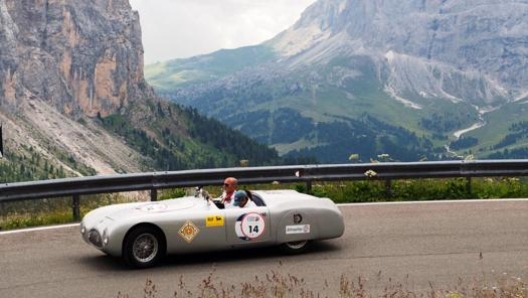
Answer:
x=171 y=138
x=169 y=75
x=328 y=111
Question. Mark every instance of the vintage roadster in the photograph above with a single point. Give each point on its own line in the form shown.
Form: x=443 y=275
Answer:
x=143 y=233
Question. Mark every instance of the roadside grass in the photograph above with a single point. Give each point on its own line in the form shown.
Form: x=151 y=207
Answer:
x=284 y=285
x=31 y=213
x=421 y=190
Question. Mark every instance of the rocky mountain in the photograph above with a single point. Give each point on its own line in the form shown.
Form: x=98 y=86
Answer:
x=412 y=79
x=73 y=99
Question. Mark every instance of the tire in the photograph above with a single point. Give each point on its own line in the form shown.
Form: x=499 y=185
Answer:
x=144 y=247
x=295 y=247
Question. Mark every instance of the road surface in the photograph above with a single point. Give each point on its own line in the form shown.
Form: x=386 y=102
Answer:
x=422 y=246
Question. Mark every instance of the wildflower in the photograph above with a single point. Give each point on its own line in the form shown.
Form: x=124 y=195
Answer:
x=370 y=173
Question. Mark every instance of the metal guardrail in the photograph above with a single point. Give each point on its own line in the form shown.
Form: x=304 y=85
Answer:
x=154 y=181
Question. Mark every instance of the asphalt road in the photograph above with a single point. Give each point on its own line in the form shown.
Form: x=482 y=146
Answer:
x=420 y=246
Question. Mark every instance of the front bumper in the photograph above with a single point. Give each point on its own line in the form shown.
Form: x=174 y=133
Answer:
x=96 y=235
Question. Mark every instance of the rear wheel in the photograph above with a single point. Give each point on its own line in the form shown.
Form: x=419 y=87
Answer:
x=295 y=247
x=143 y=247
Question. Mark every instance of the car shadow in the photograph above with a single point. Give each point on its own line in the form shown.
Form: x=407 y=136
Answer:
x=236 y=255
x=102 y=263
x=107 y=263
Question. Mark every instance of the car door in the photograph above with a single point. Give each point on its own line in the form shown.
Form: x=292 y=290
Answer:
x=201 y=227
x=248 y=226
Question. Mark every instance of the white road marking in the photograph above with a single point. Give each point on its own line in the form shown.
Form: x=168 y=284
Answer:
x=434 y=202
x=38 y=229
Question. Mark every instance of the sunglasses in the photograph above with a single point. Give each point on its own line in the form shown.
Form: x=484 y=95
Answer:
x=226 y=184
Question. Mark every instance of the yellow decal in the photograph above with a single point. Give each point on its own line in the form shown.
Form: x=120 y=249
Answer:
x=189 y=231
x=214 y=221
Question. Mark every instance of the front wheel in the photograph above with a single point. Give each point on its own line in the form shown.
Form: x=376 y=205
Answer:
x=143 y=247
x=295 y=247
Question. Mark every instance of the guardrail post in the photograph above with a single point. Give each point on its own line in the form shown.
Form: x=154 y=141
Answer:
x=308 y=186
x=468 y=186
x=76 y=208
x=388 y=188
x=153 y=194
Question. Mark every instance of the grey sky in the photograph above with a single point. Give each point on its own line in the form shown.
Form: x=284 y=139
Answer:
x=184 y=28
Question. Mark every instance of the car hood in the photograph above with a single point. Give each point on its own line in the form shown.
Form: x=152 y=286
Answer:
x=120 y=211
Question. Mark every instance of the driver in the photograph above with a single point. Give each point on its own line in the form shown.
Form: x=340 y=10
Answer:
x=228 y=195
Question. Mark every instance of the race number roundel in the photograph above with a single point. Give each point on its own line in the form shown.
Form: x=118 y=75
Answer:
x=252 y=225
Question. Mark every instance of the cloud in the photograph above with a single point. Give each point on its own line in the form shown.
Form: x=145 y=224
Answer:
x=184 y=28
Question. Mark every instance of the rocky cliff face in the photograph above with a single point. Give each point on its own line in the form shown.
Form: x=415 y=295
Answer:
x=73 y=100
x=460 y=50
x=63 y=61
x=81 y=57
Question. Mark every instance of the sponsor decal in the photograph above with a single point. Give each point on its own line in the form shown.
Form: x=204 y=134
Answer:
x=298 y=229
x=214 y=221
x=189 y=231
x=250 y=226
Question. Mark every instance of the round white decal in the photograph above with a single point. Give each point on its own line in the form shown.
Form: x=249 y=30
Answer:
x=250 y=226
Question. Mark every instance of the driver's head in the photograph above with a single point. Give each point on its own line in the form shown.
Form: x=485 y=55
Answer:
x=230 y=184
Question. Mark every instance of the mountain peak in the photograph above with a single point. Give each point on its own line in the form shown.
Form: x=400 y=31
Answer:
x=478 y=39
x=344 y=59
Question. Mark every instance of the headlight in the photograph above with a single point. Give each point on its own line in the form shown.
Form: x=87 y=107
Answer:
x=95 y=238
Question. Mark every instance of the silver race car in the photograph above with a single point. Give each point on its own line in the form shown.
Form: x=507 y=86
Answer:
x=143 y=233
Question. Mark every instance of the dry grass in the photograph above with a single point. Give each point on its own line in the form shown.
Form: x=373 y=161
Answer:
x=280 y=285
